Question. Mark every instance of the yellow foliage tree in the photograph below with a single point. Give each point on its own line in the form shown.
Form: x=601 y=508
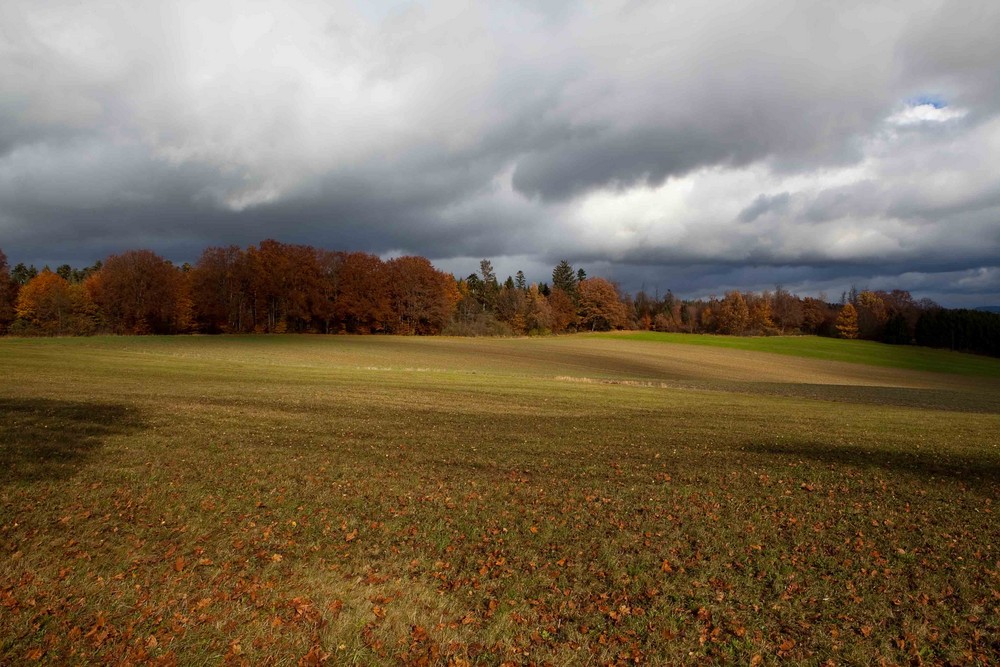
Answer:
x=49 y=305
x=734 y=314
x=847 y=321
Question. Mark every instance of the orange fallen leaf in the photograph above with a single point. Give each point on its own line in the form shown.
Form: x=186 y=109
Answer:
x=314 y=657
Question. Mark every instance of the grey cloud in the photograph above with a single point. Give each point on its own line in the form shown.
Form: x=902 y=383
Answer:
x=474 y=131
x=764 y=204
x=610 y=159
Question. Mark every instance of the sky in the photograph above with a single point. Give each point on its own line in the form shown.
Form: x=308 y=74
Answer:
x=691 y=145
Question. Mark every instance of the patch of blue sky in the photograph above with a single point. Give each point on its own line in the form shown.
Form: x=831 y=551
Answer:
x=936 y=101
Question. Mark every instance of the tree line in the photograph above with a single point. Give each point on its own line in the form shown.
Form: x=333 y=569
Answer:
x=274 y=287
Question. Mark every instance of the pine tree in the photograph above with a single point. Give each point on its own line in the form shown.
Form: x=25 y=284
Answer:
x=564 y=278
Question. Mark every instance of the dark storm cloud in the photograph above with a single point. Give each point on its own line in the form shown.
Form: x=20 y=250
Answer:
x=691 y=143
x=618 y=159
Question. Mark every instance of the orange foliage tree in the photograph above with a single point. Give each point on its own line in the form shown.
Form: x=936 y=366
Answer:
x=362 y=297
x=734 y=315
x=286 y=282
x=562 y=311
x=760 y=320
x=600 y=307
x=49 y=305
x=139 y=292
x=219 y=291
x=422 y=298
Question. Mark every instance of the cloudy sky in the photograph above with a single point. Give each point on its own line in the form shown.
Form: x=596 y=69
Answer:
x=684 y=144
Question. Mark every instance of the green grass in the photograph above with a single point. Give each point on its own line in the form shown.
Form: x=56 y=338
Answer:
x=833 y=349
x=570 y=500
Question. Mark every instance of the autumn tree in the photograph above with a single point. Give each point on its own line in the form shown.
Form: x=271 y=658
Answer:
x=422 y=299
x=537 y=312
x=562 y=310
x=847 y=321
x=139 y=292
x=48 y=304
x=362 y=303
x=760 y=321
x=733 y=315
x=786 y=310
x=7 y=294
x=872 y=314
x=687 y=320
x=286 y=281
x=817 y=316
x=324 y=311
x=511 y=307
x=219 y=289
x=646 y=309
x=600 y=307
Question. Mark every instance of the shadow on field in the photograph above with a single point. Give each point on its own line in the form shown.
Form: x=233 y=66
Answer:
x=42 y=439
x=968 y=470
x=930 y=399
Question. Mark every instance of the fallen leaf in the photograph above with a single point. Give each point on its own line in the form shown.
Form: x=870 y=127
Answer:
x=315 y=656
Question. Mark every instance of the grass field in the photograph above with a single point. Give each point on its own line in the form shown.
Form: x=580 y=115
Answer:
x=855 y=351
x=568 y=500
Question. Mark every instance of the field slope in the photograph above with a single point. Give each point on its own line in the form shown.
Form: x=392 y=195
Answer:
x=569 y=500
x=833 y=349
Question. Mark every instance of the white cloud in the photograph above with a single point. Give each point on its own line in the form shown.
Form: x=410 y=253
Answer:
x=917 y=114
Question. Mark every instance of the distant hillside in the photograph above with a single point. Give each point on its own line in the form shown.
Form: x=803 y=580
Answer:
x=989 y=309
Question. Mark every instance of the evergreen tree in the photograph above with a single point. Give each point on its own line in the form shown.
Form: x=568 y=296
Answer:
x=564 y=278
x=22 y=274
